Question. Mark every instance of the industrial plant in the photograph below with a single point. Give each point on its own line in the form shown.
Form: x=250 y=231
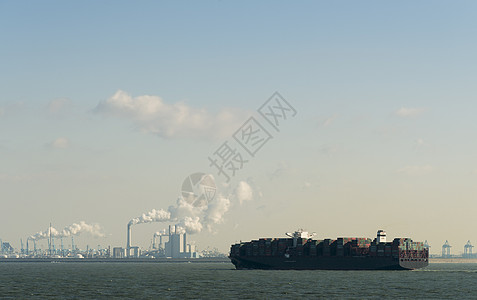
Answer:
x=165 y=244
x=171 y=244
x=32 y=250
x=176 y=245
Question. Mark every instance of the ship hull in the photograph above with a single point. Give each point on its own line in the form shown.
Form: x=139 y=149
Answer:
x=326 y=263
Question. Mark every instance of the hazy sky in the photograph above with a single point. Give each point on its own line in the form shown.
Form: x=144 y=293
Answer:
x=107 y=106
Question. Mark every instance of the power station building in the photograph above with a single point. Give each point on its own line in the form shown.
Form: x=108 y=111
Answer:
x=177 y=246
x=119 y=252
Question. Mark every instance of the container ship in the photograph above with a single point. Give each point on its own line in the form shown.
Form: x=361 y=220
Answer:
x=300 y=252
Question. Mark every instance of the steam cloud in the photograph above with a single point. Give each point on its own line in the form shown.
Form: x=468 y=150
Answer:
x=191 y=225
x=152 y=216
x=70 y=230
x=244 y=192
x=188 y=217
x=194 y=212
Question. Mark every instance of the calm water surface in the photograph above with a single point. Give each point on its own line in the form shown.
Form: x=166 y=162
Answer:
x=221 y=281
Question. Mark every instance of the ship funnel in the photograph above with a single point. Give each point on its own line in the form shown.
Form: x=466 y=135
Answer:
x=381 y=238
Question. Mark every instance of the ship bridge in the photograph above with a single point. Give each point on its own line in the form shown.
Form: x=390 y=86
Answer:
x=300 y=234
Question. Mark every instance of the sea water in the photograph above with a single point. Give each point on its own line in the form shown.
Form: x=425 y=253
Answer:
x=221 y=281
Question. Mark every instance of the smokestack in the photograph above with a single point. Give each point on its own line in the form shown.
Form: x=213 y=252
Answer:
x=128 y=245
x=185 y=243
x=171 y=242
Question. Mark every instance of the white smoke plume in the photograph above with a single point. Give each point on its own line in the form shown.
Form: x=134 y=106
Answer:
x=70 y=230
x=191 y=225
x=188 y=218
x=216 y=210
x=152 y=216
x=244 y=192
x=199 y=206
x=185 y=209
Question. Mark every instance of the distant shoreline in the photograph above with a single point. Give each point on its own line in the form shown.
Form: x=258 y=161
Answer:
x=117 y=260
x=182 y=260
x=453 y=260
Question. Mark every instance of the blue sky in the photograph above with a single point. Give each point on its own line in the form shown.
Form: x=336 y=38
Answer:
x=385 y=94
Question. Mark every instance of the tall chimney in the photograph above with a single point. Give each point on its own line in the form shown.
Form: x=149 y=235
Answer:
x=184 y=244
x=128 y=245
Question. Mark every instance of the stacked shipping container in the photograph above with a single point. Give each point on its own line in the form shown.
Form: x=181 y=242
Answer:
x=399 y=247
